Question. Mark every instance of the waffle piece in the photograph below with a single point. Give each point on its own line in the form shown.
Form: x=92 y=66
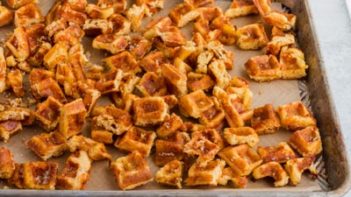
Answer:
x=118 y=6
x=111 y=82
x=183 y=13
x=3 y=70
x=198 y=81
x=221 y=53
x=6 y=16
x=265 y=120
x=232 y=115
x=214 y=116
x=241 y=8
x=137 y=139
x=43 y=85
x=200 y=3
x=153 y=6
x=208 y=173
x=278 y=42
x=280 y=153
x=28 y=15
x=293 y=63
x=76 y=171
x=158 y=24
x=139 y=46
x=72 y=118
x=111 y=42
x=111 y=119
x=195 y=103
x=149 y=111
x=123 y=61
x=9 y=128
x=96 y=12
x=94 y=27
x=171 y=148
x=47 y=87
x=263 y=6
x=102 y=136
x=274 y=170
x=152 y=84
x=78 y=5
x=66 y=13
x=15 y=113
x=175 y=79
x=251 y=37
x=227 y=31
x=295 y=116
x=47 y=145
x=306 y=141
x=135 y=15
x=7 y=164
x=35 y=175
x=218 y=69
x=48 y=112
x=242 y=159
x=90 y=98
x=263 y=68
x=284 y=21
x=96 y=151
x=171 y=125
x=57 y=54
x=211 y=134
x=170 y=174
x=36 y=59
x=204 y=143
x=152 y=61
x=131 y=171
x=228 y=174
x=15 y=82
x=240 y=97
x=295 y=168
x=241 y=135
x=18 y=44
x=35 y=35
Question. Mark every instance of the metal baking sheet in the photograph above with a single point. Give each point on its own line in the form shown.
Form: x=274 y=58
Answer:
x=313 y=91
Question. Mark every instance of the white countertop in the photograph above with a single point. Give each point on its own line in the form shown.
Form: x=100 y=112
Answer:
x=333 y=28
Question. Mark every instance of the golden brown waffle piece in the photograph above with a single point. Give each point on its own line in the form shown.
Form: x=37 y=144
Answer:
x=7 y=164
x=274 y=170
x=241 y=8
x=96 y=151
x=206 y=173
x=47 y=145
x=265 y=120
x=280 y=153
x=76 y=171
x=170 y=174
x=295 y=116
x=242 y=159
x=241 y=135
x=149 y=111
x=295 y=168
x=131 y=171
x=137 y=139
x=171 y=148
x=228 y=174
x=72 y=118
x=306 y=141
x=35 y=175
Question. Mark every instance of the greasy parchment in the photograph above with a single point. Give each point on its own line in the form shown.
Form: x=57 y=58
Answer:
x=276 y=92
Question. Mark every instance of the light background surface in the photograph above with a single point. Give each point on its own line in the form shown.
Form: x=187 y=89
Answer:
x=333 y=28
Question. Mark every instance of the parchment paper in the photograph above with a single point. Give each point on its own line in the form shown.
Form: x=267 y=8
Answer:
x=276 y=92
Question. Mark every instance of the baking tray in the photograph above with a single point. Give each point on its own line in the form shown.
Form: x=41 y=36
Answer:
x=333 y=165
